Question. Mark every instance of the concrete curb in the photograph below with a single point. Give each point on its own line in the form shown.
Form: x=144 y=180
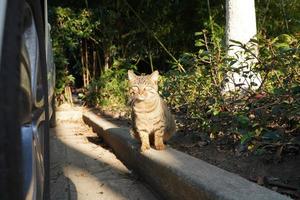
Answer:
x=175 y=175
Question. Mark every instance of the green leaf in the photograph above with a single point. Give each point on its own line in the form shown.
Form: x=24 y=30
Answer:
x=199 y=43
x=282 y=46
x=198 y=33
x=243 y=121
x=236 y=42
x=285 y=38
x=216 y=112
x=246 y=137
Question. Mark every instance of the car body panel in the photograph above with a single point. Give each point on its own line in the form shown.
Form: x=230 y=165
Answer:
x=49 y=59
x=50 y=73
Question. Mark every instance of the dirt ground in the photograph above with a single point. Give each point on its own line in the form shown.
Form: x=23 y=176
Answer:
x=278 y=174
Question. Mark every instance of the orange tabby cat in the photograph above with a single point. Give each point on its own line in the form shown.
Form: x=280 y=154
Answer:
x=150 y=115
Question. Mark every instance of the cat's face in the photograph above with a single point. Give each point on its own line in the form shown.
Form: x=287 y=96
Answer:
x=143 y=87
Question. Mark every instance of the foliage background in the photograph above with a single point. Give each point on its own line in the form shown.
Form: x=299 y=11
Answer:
x=96 y=42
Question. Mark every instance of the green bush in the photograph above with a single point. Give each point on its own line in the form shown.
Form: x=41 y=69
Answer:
x=270 y=114
x=110 y=90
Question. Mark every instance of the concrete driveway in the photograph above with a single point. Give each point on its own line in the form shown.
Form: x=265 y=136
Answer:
x=83 y=168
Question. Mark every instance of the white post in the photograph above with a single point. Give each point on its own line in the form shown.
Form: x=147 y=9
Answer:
x=241 y=26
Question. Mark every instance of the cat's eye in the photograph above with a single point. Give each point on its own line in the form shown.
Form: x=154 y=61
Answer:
x=149 y=88
x=135 y=88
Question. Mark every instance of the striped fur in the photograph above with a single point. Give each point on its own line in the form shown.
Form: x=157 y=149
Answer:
x=152 y=121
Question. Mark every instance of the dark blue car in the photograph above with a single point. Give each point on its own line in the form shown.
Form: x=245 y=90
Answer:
x=27 y=79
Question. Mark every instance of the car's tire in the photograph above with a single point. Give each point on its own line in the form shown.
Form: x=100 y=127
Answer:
x=10 y=138
x=12 y=102
x=38 y=12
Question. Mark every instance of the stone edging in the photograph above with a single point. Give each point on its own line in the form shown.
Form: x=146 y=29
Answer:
x=175 y=175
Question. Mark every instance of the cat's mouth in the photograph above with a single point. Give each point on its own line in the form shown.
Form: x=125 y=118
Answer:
x=141 y=98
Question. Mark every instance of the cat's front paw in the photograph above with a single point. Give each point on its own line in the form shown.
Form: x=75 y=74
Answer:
x=160 y=147
x=145 y=148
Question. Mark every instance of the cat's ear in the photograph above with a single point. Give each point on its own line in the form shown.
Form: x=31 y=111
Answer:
x=131 y=75
x=154 y=76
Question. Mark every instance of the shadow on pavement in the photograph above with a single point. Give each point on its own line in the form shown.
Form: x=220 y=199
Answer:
x=81 y=169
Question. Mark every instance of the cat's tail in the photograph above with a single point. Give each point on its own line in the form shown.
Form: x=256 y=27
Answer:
x=171 y=129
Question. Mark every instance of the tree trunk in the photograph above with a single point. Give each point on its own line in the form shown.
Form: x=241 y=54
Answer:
x=87 y=71
x=68 y=95
x=99 y=62
x=241 y=27
x=94 y=64
x=106 y=60
x=83 y=64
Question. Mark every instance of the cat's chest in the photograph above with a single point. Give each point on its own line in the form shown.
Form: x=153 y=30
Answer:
x=147 y=114
x=147 y=121
x=151 y=116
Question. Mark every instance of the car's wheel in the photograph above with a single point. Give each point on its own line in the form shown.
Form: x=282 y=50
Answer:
x=38 y=14
x=10 y=138
x=24 y=123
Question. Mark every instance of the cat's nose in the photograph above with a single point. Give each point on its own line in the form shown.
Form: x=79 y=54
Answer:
x=141 y=91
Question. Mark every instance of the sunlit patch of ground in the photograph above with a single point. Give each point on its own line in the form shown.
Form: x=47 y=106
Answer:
x=84 y=168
